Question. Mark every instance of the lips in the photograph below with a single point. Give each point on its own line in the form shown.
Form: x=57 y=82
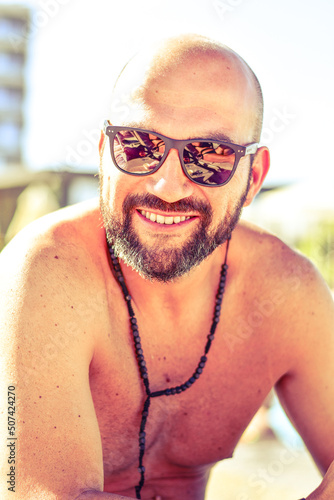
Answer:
x=161 y=219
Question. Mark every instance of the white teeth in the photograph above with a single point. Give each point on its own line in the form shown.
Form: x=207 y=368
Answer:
x=161 y=219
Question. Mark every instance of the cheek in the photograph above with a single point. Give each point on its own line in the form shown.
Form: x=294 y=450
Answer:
x=227 y=200
x=116 y=186
x=112 y=186
x=239 y=182
x=240 y=177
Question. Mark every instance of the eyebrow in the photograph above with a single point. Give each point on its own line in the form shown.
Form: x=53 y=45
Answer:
x=216 y=136
x=219 y=136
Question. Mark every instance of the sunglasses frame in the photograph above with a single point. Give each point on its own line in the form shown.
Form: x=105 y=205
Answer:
x=179 y=145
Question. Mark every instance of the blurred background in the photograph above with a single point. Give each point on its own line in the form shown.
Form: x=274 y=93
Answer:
x=59 y=60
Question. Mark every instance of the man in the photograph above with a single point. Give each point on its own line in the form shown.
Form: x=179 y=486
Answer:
x=92 y=342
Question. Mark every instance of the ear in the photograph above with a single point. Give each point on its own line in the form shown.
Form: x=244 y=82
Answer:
x=260 y=169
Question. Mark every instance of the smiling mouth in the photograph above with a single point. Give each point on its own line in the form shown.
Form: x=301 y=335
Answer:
x=161 y=219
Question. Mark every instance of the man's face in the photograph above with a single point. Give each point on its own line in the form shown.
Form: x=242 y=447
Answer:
x=163 y=224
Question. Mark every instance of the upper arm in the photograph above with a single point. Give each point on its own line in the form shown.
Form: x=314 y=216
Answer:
x=307 y=389
x=46 y=351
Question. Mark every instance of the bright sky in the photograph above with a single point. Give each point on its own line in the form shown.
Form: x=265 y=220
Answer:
x=79 y=46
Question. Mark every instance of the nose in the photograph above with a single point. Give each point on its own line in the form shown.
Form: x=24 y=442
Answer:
x=170 y=183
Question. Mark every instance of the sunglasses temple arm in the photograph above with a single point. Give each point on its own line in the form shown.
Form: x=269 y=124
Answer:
x=251 y=149
x=105 y=125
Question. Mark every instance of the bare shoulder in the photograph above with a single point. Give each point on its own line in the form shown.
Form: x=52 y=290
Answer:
x=62 y=235
x=273 y=261
x=288 y=291
x=54 y=265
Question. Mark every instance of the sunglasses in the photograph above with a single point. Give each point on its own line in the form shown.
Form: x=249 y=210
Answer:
x=207 y=162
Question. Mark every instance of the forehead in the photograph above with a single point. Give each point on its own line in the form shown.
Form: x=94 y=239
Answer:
x=191 y=95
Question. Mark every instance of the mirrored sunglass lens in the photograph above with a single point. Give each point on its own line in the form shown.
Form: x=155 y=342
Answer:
x=209 y=163
x=137 y=152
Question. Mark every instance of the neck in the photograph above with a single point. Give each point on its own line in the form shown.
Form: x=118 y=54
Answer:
x=176 y=294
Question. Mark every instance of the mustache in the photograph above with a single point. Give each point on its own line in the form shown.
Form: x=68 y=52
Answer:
x=186 y=205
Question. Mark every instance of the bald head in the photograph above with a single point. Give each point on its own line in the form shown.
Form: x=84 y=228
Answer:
x=192 y=72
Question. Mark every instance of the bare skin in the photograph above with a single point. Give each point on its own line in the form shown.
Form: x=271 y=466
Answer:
x=69 y=350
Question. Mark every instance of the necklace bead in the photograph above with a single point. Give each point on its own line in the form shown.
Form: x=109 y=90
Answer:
x=141 y=360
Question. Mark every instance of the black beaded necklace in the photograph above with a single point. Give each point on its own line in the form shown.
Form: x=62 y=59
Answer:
x=141 y=360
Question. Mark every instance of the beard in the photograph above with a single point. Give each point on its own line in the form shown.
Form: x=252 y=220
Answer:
x=155 y=262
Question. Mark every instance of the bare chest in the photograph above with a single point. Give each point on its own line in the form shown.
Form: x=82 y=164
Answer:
x=193 y=429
